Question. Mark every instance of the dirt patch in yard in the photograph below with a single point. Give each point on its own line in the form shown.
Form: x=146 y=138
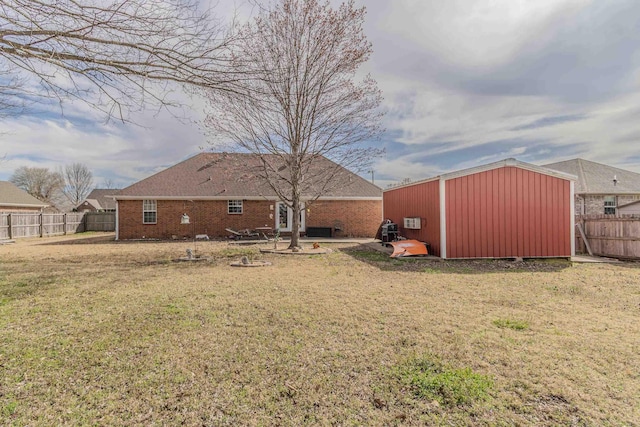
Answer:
x=381 y=260
x=97 y=332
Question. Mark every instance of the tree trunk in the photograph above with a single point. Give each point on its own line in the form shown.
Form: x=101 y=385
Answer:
x=295 y=225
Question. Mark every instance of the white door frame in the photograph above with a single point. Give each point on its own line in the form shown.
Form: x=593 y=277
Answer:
x=289 y=217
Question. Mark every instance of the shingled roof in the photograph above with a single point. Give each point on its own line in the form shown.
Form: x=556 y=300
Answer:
x=234 y=175
x=101 y=198
x=596 y=178
x=12 y=196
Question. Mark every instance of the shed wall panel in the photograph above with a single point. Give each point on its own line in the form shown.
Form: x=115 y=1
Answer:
x=508 y=212
x=420 y=200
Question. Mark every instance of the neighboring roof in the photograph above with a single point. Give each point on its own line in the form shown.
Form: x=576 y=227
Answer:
x=596 y=178
x=12 y=196
x=629 y=204
x=101 y=198
x=490 y=166
x=235 y=175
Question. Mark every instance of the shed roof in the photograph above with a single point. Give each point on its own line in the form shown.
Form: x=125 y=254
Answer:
x=235 y=175
x=495 y=165
x=12 y=196
x=597 y=178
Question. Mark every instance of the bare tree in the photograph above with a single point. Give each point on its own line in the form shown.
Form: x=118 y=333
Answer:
x=78 y=182
x=11 y=103
x=108 y=54
x=302 y=103
x=41 y=183
x=108 y=184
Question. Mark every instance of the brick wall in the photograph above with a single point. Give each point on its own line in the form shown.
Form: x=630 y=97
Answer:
x=86 y=207
x=594 y=204
x=355 y=218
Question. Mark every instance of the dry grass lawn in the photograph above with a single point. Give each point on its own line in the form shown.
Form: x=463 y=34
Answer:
x=96 y=332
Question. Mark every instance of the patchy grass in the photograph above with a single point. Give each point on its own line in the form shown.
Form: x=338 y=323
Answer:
x=110 y=333
x=517 y=325
x=430 y=379
x=238 y=252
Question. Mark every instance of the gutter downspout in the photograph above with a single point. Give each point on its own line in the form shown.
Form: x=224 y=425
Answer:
x=443 y=220
x=573 y=217
x=117 y=221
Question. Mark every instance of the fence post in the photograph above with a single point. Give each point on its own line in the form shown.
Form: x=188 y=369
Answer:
x=64 y=224
x=10 y=226
x=41 y=225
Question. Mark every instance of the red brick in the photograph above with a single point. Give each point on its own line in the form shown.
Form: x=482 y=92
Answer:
x=355 y=218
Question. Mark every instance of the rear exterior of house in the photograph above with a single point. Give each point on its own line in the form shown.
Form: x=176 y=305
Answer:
x=218 y=191
x=160 y=219
x=505 y=209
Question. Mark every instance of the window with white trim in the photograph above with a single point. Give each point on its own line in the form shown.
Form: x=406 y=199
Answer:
x=149 y=212
x=610 y=205
x=234 y=207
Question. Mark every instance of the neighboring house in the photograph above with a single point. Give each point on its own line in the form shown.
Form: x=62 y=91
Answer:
x=219 y=191
x=632 y=208
x=99 y=200
x=14 y=199
x=600 y=189
x=505 y=209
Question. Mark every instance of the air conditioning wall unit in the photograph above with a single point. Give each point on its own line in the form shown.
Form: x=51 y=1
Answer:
x=412 y=223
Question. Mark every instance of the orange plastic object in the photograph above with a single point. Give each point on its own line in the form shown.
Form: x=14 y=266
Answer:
x=408 y=248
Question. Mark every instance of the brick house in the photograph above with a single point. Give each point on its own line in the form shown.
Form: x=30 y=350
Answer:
x=219 y=191
x=14 y=199
x=99 y=200
x=600 y=189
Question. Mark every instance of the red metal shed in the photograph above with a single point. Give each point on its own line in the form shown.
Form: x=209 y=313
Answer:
x=505 y=209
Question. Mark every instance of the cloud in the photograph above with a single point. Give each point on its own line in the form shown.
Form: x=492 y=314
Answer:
x=464 y=83
x=549 y=121
x=123 y=153
x=473 y=82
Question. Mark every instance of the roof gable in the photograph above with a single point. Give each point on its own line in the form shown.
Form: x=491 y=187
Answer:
x=491 y=166
x=101 y=198
x=12 y=196
x=510 y=163
x=234 y=175
x=597 y=178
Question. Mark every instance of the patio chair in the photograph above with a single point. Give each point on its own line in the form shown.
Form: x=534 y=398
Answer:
x=243 y=234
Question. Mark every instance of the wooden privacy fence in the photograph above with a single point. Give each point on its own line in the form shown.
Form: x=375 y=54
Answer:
x=15 y=225
x=609 y=235
x=100 y=221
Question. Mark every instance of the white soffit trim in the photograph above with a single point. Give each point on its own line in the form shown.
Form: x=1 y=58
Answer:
x=22 y=205
x=512 y=163
x=270 y=198
x=348 y=198
x=192 y=198
x=491 y=166
x=410 y=184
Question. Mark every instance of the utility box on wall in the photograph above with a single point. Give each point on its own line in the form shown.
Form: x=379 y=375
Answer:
x=505 y=209
x=412 y=223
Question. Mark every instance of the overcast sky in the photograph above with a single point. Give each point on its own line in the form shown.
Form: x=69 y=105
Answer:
x=465 y=83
